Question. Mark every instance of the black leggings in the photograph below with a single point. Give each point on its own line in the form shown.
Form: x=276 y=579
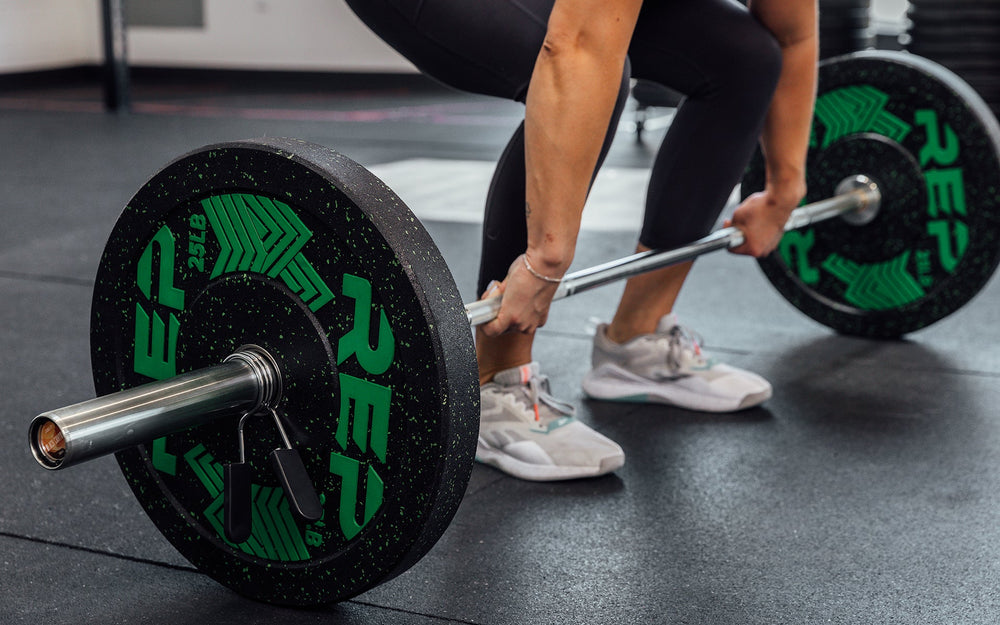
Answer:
x=712 y=51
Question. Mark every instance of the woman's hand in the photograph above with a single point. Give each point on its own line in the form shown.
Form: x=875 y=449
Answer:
x=761 y=218
x=525 y=304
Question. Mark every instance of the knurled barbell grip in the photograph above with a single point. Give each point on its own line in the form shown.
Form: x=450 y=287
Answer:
x=855 y=194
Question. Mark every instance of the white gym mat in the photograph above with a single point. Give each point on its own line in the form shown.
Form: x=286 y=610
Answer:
x=455 y=191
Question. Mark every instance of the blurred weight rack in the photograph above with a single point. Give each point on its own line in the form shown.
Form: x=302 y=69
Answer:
x=844 y=26
x=962 y=35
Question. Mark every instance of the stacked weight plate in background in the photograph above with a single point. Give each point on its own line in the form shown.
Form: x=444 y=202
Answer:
x=844 y=27
x=964 y=36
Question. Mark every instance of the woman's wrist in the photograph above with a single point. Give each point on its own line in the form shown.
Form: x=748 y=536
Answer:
x=787 y=189
x=536 y=273
x=552 y=261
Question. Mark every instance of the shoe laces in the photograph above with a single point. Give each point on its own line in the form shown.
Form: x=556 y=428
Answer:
x=683 y=344
x=537 y=387
x=535 y=392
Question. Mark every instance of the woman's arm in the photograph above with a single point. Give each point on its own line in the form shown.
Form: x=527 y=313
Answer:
x=570 y=101
x=785 y=139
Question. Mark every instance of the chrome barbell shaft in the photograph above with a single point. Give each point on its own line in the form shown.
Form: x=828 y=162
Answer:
x=857 y=194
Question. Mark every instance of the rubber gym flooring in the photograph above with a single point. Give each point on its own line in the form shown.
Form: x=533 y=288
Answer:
x=866 y=491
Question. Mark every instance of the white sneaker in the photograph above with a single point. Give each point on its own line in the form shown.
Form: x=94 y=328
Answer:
x=527 y=433
x=669 y=367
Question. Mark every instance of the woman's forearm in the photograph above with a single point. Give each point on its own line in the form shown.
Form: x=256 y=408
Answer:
x=570 y=101
x=785 y=140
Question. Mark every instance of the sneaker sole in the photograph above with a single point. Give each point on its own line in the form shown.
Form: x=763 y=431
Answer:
x=493 y=457
x=627 y=387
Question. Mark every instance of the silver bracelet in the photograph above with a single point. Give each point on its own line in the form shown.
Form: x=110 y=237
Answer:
x=532 y=271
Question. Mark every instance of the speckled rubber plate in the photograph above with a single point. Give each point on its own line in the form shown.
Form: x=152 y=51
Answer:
x=933 y=147
x=297 y=249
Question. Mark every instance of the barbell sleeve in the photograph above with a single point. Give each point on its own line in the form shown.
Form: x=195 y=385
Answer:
x=856 y=195
x=245 y=381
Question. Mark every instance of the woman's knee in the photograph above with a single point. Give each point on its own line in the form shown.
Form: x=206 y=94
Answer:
x=756 y=60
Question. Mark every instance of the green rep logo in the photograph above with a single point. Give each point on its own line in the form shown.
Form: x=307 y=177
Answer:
x=156 y=337
x=364 y=408
x=945 y=189
x=254 y=234
x=891 y=283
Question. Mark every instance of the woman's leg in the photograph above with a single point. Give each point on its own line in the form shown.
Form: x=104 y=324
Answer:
x=727 y=65
x=486 y=47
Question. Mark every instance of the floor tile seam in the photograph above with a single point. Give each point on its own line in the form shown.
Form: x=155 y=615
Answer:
x=190 y=569
x=866 y=363
x=497 y=479
x=443 y=619
x=319 y=117
x=52 y=279
x=99 y=552
x=976 y=373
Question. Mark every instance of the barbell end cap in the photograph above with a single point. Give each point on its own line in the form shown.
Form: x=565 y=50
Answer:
x=484 y=310
x=47 y=442
x=870 y=203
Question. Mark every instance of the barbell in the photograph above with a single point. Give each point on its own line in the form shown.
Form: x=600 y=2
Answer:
x=273 y=298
